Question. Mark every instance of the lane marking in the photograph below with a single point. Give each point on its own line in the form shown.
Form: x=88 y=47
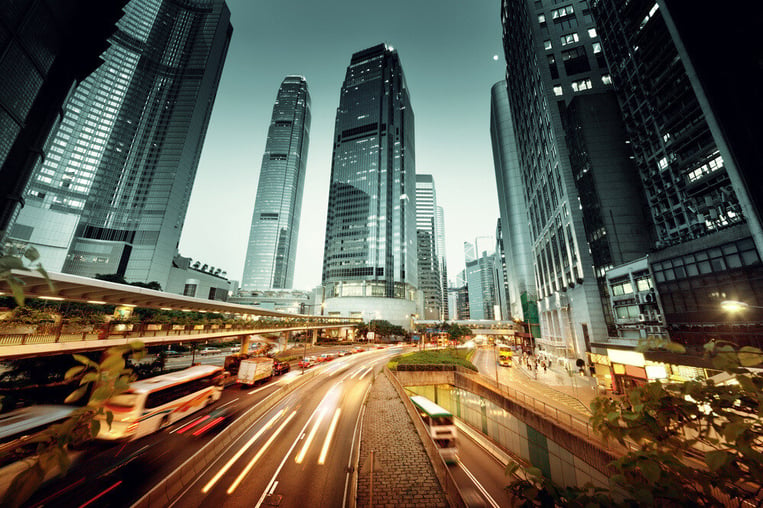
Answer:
x=101 y=494
x=298 y=459
x=227 y=403
x=327 y=442
x=258 y=389
x=369 y=369
x=264 y=448
x=358 y=428
x=238 y=454
x=479 y=486
x=273 y=489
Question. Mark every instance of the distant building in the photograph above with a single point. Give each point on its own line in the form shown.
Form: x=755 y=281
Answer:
x=272 y=250
x=500 y=276
x=439 y=226
x=427 y=247
x=481 y=285
x=281 y=300
x=111 y=194
x=194 y=279
x=44 y=51
x=369 y=261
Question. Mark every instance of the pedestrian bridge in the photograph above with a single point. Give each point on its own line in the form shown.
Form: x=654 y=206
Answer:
x=28 y=340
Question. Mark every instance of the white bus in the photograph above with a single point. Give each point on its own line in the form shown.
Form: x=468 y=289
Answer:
x=155 y=403
x=441 y=427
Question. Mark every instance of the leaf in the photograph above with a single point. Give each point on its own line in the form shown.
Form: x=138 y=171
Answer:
x=651 y=470
x=76 y=395
x=100 y=394
x=85 y=360
x=114 y=362
x=11 y=263
x=74 y=371
x=109 y=418
x=675 y=347
x=45 y=275
x=18 y=292
x=31 y=254
x=750 y=356
x=88 y=378
x=733 y=430
x=717 y=459
x=95 y=428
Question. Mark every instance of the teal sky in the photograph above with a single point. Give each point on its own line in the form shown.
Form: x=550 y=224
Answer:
x=446 y=49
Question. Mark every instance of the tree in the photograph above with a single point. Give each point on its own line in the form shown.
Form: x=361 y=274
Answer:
x=19 y=258
x=101 y=380
x=719 y=419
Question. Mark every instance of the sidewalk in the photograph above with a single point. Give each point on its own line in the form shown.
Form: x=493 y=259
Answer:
x=402 y=473
x=576 y=386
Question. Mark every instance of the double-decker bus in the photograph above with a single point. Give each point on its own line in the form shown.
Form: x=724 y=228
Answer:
x=155 y=403
x=439 y=423
x=504 y=356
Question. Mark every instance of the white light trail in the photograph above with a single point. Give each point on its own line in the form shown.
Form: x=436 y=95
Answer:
x=327 y=442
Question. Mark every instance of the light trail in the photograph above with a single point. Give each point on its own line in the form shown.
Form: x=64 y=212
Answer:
x=327 y=442
x=267 y=444
x=479 y=486
x=238 y=454
x=310 y=438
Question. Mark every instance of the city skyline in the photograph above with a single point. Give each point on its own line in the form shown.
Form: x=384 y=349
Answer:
x=452 y=111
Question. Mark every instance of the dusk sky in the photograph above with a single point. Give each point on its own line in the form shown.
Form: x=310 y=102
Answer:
x=447 y=51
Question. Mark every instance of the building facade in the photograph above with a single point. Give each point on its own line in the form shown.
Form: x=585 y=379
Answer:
x=272 y=248
x=44 y=52
x=480 y=280
x=439 y=226
x=111 y=195
x=198 y=280
x=553 y=54
x=428 y=247
x=369 y=260
x=687 y=109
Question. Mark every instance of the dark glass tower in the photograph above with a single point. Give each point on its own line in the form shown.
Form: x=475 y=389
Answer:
x=370 y=248
x=112 y=192
x=427 y=247
x=272 y=249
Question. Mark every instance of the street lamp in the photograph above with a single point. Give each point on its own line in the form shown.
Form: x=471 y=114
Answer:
x=737 y=306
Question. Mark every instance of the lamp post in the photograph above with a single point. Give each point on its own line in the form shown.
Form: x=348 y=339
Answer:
x=737 y=306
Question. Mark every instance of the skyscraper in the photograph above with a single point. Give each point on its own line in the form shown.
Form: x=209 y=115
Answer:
x=427 y=247
x=480 y=279
x=112 y=192
x=439 y=226
x=272 y=249
x=369 y=260
x=694 y=123
x=44 y=52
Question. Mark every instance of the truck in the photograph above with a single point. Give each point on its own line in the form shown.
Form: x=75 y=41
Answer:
x=252 y=370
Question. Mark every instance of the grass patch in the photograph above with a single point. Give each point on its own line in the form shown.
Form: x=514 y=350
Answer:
x=460 y=357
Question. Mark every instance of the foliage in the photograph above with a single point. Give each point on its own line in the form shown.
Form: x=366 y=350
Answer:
x=435 y=357
x=19 y=258
x=689 y=441
x=101 y=381
x=119 y=279
x=385 y=328
x=454 y=330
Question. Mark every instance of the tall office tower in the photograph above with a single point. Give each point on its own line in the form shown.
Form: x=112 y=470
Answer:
x=501 y=275
x=515 y=232
x=369 y=260
x=439 y=226
x=553 y=54
x=480 y=280
x=272 y=250
x=111 y=195
x=427 y=247
x=44 y=51
x=695 y=129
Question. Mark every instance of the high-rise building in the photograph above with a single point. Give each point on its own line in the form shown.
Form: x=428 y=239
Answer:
x=427 y=247
x=480 y=280
x=44 y=51
x=369 y=261
x=439 y=226
x=553 y=54
x=501 y=275
x=111 y=195
x=271 y=254
x=688 y=107
x=515 y=232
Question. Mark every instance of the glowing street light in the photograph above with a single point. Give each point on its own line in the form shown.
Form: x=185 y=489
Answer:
x=737 y=306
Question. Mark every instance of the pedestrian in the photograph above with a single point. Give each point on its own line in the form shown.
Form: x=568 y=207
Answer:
x=545 y=367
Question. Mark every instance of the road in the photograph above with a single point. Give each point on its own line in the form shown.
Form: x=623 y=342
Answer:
x=480 y=476
x=108 y=474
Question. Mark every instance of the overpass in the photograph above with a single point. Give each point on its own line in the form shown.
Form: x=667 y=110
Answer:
x=477 y=326
x=60 y=288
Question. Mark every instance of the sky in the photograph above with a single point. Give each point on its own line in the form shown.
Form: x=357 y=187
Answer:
x=448 y=52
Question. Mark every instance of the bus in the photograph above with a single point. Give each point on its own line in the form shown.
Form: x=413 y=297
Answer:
x=440 y=425
x=157 y=402
x=504 y=356
x=20 y=428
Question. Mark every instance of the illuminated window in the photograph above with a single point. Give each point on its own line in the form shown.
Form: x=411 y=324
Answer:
x=583 y=84
x=606 y=79
x=569 y=38
x=547 y=44
x=592 y=33
x=596 y=47
x=558 y=90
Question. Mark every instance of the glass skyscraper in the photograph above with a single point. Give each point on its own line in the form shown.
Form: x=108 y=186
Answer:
x=272 y=249
x=111 y=194
x=427 y=246
x=370 y=249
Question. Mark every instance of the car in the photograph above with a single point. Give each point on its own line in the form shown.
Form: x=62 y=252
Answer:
x=169 y=353
x=280 y=368
x=209 y=351
x=305 y=363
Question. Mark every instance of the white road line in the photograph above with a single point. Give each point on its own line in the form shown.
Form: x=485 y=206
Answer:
x=358 y=427
x=478 y=485
x=273 y=489
x=227 y=403
x=366 y=372
x=299 y=458
x=259 y=389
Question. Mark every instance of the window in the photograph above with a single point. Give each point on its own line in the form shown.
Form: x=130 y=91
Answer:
x=606 y=79
x=569 y=39
x=592 y=33
x=561 y=12
x=596 y=47
x=583 y=84
x=558 y=90
x=541 y=18
x=547 y=44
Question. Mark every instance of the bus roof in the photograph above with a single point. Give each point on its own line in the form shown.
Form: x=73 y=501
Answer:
x=173 y=378
x=429 y=407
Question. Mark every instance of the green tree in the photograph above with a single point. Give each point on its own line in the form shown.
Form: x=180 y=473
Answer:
x=717 y=420
x=19 y=258
x=101 y=381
